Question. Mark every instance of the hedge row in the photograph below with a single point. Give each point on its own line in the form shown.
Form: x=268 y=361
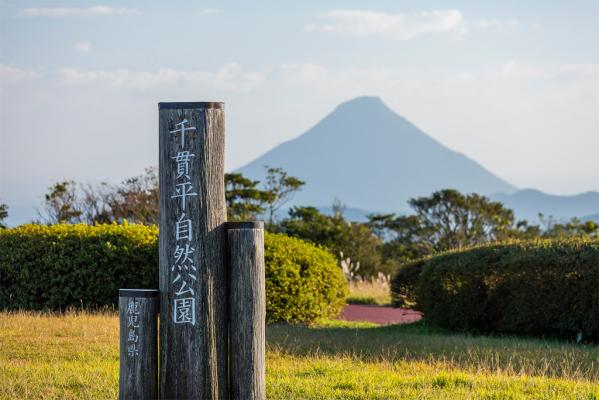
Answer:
x=541 y=288
x=61 y=266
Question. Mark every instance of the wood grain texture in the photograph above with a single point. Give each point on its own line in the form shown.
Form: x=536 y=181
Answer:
x=138 y=376
x=248 y=312
x=194 y=358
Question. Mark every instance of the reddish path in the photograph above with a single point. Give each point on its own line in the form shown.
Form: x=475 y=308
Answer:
x=379 y=314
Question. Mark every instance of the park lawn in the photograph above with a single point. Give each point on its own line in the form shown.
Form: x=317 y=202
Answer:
x=75 y=356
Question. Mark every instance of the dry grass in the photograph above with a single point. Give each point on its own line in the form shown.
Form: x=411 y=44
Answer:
x=75 y=356
x=370 y=290
x=45 y=356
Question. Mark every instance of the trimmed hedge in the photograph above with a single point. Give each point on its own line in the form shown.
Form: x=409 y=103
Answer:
x=541 y=288
x=61 y=266
x=303 y=281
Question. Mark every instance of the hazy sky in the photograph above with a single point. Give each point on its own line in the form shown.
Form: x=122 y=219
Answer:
x=512 y=84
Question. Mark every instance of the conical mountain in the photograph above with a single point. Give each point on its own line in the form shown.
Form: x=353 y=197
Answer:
x=368 y=157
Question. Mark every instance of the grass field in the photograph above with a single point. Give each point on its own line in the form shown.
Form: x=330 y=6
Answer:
x=75 y=356
x=374 y=290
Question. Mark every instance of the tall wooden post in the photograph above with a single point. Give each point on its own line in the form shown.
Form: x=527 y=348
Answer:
x=248 y=309
x=192 y=246
x=138 y=311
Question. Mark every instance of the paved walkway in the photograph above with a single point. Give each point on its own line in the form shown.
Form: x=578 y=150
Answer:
x=379 y=314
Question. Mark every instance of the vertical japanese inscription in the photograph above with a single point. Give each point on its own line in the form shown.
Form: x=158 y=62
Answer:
x=132 y=328
x=184 y=270
x=193 y=282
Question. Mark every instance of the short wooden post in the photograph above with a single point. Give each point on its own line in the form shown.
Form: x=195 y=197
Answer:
x=192 y=252
x=248 y=309
x=138 y=310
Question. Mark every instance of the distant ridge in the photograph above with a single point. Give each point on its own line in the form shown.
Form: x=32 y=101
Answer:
x=528 y=203
x=370 y=158
x=594 y=218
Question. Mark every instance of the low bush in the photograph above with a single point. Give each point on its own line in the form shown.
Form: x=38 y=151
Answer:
x=303 y=281
x=541 y=288
x=61 y=266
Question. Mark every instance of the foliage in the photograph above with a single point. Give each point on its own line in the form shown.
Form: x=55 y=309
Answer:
x=281 y=188
x=244 y=200
x=303 y=282
x=60 y=203
x=405 y=282
x=354 y=240
x=451 y=220
x=3 y=214
x=445 y=220
x=60 y=266
x=134 y=200
x=572 y=228
x=540 y=287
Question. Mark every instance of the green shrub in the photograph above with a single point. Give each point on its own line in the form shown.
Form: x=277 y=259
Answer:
x=60 y=266
x=404 y=284
x=303 y=282
x=541 y=288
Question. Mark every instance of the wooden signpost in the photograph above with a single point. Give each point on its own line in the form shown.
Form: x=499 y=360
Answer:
x=192 y=246
x=204 y=352
x=138 y=377
x=248 y=309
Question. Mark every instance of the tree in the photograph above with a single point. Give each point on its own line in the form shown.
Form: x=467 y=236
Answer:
x=3 y=214
x=453 y=220
x=406 y=238
x=136 y=199
x=445 y=220
x=281 y=188
x=354 y=240
x=572 y=228
x=244 y=200
x=61 y=204
x=95 y=203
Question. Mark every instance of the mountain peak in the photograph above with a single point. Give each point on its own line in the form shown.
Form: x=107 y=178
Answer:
x=363 y=103
x=369 y=157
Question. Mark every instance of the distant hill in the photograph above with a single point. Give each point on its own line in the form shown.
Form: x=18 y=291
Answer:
x=526 y=204
x=529 y=203
x=370 y=158
x=593 y=217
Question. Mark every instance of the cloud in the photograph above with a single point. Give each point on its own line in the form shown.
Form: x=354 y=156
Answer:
x=229 y=77
x=83 y=47
x=93 y=11
x=12 y=75
x=363 y=23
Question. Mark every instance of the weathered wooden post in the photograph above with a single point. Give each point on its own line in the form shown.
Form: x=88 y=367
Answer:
x=248 y=309
x=138 y=310
x=192 y=246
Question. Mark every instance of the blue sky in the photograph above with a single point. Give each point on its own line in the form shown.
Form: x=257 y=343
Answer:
x=512 y=84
